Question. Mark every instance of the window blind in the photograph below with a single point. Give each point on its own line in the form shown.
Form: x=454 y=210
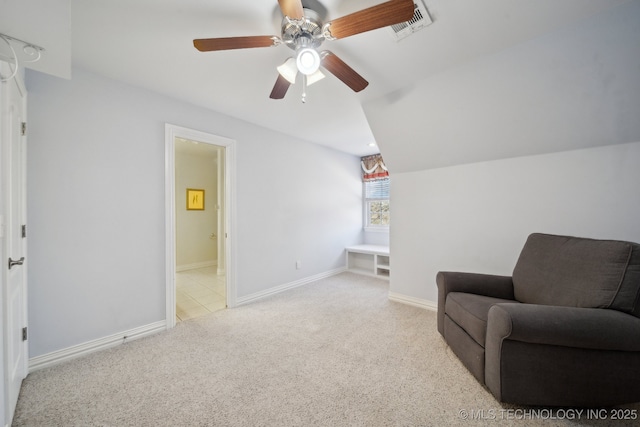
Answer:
x=378 y=189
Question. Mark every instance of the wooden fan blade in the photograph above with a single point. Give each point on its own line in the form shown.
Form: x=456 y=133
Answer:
x=291 y=8
x=383 y=15
x=280 y=88
x=341 y=70
x=227 y=43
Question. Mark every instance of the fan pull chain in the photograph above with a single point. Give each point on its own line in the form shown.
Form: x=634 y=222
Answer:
x=304 y=88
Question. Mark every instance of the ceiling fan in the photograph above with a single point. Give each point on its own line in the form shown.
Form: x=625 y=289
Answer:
x=303 y=31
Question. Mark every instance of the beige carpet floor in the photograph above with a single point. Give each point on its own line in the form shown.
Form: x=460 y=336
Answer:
x=335 y=352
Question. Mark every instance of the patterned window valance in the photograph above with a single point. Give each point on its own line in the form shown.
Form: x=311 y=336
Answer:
x=373 y=168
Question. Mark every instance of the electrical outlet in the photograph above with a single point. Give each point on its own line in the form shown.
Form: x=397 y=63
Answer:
x=298 y=265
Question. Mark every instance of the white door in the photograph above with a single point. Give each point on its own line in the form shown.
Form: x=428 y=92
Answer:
x=14 y=265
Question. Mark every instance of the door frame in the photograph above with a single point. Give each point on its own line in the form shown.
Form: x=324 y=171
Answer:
x=171 y=133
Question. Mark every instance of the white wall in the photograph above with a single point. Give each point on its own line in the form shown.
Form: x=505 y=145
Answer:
x=574 y=92
x=96 y=206
x=477 y=217
x=376 y=238
x=194 y=246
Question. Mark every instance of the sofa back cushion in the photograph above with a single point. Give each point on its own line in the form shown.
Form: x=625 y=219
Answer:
x=578 y=272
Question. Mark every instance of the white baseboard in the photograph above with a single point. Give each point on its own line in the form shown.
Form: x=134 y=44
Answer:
x=281 y=288
x=416 y=302
x=196 y=265
x=59 y=356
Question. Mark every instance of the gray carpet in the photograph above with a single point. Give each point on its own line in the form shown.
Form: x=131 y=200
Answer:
x=335 y=352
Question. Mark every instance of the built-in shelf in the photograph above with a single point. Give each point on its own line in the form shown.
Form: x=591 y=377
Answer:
x=372 y=260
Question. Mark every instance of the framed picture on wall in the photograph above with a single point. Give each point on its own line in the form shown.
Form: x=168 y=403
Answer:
x=195 y=199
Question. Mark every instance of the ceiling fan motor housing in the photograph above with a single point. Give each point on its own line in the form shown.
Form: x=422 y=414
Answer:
x=303 y=33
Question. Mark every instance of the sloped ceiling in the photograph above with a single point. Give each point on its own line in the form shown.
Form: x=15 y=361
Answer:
x=574 y=88
x=148 y=43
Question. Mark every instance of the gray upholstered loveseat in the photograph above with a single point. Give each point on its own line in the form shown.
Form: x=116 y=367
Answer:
x=563 y=330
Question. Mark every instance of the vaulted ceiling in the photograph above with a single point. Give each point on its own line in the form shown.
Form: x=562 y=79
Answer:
x=148 y=43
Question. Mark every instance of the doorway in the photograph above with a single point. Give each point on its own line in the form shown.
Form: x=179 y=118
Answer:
x=199 y=193
x=200 y=222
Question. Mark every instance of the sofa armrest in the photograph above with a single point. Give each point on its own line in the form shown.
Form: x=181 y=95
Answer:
x=588 y=328
x=561 y=356
x=480 y=284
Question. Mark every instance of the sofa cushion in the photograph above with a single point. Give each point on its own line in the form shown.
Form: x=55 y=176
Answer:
x=470 y=312
x=572 y=271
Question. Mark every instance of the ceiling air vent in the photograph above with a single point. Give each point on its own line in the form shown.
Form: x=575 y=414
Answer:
x=421 y=19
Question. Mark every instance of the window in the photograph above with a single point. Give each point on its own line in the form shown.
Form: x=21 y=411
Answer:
x=375 y=179
x=376 y=203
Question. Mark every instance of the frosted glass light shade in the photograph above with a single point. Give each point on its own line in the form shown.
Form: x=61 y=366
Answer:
x=308 y=61
x=289 y=70
x=315 y=77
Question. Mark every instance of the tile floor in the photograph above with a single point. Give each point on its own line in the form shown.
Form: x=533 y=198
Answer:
x=199 y=292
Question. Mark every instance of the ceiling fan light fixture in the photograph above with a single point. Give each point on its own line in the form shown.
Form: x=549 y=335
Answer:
x=315 y=77
x=289 y=70
x=308 y=61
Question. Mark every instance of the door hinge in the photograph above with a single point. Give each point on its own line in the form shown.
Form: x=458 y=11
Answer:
x=24 y=231
x=24 y=128
x=24 y=333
